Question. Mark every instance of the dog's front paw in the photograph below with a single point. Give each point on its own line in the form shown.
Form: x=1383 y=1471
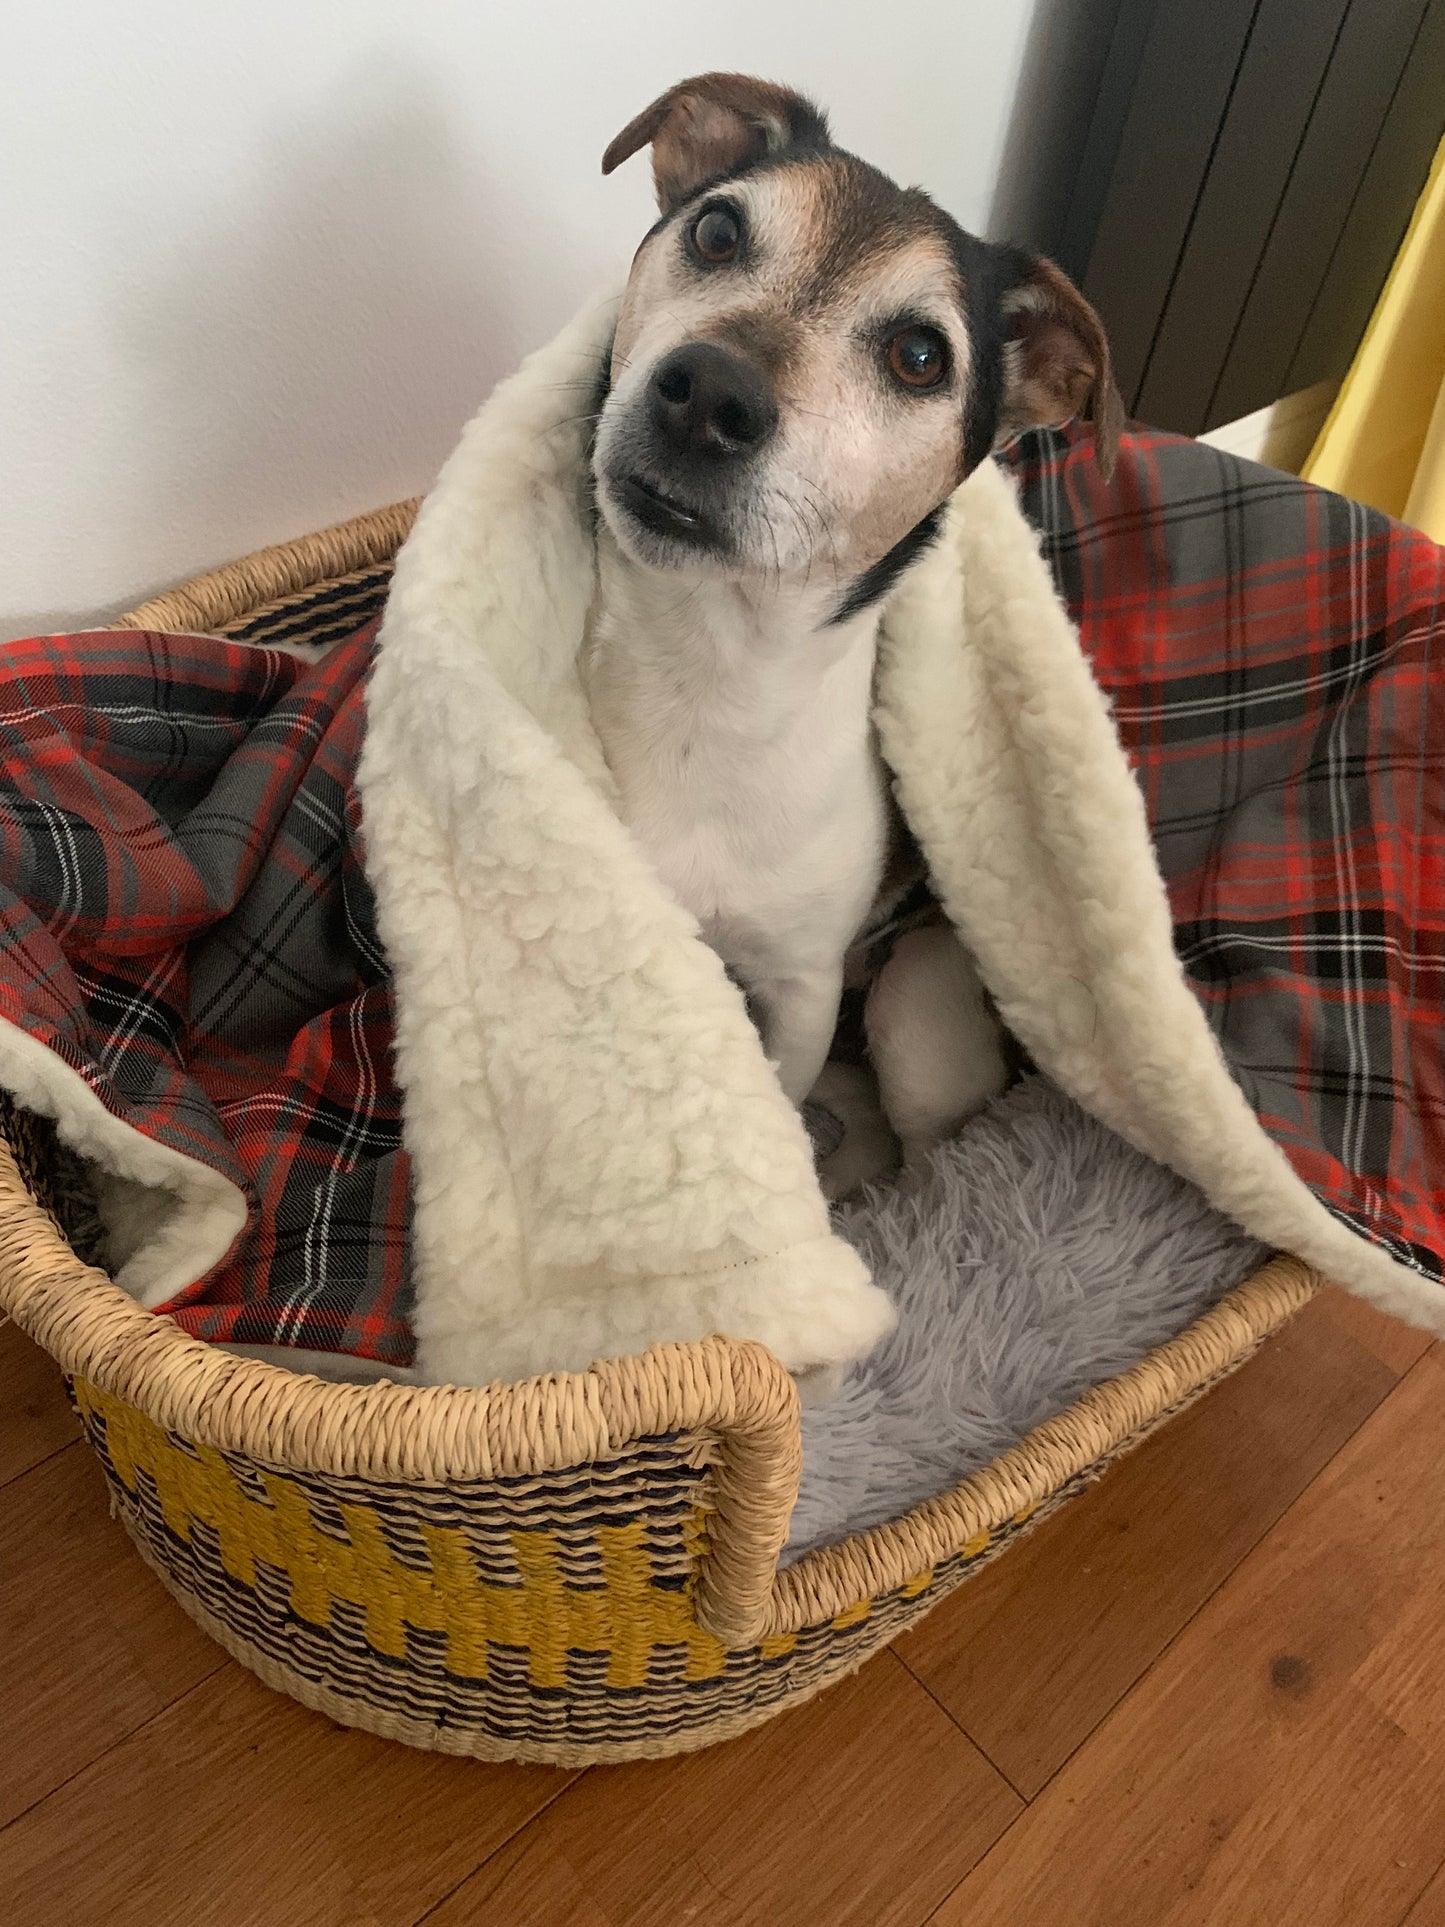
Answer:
x=852 y=1139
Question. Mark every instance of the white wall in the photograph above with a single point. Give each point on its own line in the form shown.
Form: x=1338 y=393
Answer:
x=259 y=259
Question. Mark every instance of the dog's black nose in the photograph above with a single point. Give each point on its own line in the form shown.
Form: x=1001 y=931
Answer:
x=709 y=401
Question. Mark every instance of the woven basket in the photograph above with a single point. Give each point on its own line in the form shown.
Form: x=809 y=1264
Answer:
x=574 y=1569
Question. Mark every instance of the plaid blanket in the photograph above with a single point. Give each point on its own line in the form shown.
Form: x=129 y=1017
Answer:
x=1276 y=659
x=185 y=921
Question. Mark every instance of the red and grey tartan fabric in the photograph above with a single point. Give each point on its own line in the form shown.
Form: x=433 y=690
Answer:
x=185 y=921
x=1276 y=659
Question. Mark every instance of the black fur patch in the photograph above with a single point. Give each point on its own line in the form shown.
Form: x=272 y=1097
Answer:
x=875 y=583
x=986 y=272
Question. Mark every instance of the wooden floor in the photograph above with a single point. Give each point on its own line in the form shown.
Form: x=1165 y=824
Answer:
x=1210 y=1691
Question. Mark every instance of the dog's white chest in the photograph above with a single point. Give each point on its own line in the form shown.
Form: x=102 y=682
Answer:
x=767 y=849
x=746 y=769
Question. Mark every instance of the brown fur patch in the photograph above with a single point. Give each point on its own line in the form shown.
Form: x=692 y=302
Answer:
x=859 y=216
x=1063 y=363
x=715 y=124
x=772 y=339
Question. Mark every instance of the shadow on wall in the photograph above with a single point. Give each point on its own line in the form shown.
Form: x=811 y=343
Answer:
x=326 y=338
x=1059 y=74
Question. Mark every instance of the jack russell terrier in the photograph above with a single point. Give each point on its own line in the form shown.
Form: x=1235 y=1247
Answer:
x=809 y=360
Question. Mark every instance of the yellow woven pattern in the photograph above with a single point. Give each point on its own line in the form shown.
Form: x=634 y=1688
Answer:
x=627 y=1619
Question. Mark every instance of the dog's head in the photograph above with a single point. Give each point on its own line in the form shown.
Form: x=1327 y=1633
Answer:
x=809 y=358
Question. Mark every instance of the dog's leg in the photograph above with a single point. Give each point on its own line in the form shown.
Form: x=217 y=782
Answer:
x=797 y=1015
x=936 y=1047
x=867 y=1149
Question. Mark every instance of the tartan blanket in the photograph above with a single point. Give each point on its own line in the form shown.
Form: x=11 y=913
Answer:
x=1275 y=659
x=186 y=924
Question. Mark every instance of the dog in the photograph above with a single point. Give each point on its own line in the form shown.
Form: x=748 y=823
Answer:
x=809 y=360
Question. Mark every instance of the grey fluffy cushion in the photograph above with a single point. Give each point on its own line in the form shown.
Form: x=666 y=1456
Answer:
x=1038 y=1255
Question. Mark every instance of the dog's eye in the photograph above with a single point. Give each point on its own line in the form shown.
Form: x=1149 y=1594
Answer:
x=716 y=235
x=918 y=357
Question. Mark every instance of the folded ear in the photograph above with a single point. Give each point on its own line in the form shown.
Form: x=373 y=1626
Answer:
x=713 y=125
x=1057 y=360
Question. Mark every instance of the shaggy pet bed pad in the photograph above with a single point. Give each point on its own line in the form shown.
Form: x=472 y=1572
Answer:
x=1037 y=1255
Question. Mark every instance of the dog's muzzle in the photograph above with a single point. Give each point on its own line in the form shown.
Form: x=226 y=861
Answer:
x=676 y=468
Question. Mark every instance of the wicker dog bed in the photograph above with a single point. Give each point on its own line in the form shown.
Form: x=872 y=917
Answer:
x=571 y=1569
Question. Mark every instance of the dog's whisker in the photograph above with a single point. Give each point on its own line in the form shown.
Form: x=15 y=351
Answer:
x=797 y=407
x=804 y=510
x=818 y=490
x=808 y=516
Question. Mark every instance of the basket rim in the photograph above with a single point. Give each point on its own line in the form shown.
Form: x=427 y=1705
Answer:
x=736 y=1392
x=252 y=584
x=1107 y=1420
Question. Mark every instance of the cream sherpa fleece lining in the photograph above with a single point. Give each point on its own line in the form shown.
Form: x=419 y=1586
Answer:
x=603 y=1158
x=1015 y=783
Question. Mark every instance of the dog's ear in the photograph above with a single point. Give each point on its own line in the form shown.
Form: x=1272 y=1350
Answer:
x=1057 y=360
x=715 y=125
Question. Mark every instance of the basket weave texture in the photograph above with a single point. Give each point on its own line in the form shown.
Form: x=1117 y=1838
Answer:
x=578 y=1568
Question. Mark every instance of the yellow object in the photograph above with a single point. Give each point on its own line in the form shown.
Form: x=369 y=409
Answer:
x=624 y=1617
x=1384 y=440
